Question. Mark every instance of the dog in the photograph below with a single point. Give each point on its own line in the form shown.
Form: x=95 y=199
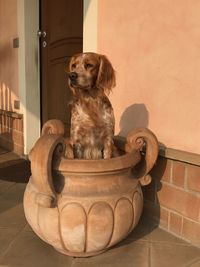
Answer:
x=91 y=78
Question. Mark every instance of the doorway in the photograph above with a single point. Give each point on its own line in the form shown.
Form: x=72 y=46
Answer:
x=61 y=36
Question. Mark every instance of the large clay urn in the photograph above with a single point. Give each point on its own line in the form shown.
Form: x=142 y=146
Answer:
x=83 y=207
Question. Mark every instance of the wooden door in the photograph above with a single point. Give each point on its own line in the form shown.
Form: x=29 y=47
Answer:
x=61 y=37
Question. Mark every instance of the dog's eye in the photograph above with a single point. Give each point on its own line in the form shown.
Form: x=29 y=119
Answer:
x=88 y=65
x=73 y=66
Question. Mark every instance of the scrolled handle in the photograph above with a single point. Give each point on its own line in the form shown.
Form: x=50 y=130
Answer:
x=46 y=147
x=50 y=127
x=53 y=127
x=138 y=139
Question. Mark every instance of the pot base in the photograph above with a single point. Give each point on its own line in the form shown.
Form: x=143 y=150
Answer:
x=80 y=254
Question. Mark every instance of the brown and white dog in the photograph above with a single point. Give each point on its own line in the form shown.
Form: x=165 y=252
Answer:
x=91 y=78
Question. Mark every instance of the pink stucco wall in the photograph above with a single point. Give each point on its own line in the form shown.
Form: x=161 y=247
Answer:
x=8 y=54
x=154 y=46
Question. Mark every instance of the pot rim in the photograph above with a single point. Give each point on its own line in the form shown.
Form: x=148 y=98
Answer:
x=128 y=160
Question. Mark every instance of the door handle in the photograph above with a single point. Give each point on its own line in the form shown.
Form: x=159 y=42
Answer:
x=41 y=34
x=44 y=44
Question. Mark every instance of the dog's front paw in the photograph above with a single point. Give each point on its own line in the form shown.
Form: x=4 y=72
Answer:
x=69 y=153
x=107 y=153
x=109 y=149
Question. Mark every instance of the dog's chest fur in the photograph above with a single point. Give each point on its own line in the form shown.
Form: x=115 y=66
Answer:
x=92 y=121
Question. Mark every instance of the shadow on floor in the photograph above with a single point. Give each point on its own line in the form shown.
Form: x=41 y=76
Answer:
x=19 y=172
x=140 y=233
x=13 y=168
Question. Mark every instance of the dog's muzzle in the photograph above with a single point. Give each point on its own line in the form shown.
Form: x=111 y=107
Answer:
x=73 y=77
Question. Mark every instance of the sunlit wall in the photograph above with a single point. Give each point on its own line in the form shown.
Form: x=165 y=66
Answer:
x=8 y=55
x=154 y=46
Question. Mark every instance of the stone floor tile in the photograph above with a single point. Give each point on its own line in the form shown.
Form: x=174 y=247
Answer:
x=28 y=228
x=15 y=193
x=5 y=186
x=28 y=250
x=142 y=230
x=6 y=157
x=16 y=172
x=11 y=214
x=123 y=255
x=173 y=255
x=7 y=235
x=159 y=235
x=195 y=264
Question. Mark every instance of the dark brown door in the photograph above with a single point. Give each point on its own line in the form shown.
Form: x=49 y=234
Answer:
x=61 y=37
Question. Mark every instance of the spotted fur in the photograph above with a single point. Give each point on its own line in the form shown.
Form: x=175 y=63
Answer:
x=91 y=78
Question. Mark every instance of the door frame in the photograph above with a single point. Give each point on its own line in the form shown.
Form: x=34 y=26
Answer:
x=29 y=61
x=28 y=70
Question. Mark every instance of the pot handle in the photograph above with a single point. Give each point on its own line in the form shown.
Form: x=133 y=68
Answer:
x=138 y=139
x=46 y=147
x=53 y=127
x=50 y=144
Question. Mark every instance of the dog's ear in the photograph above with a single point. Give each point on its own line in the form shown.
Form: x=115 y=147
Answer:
x=68 y=69
x=106 y=75
x=69 y=63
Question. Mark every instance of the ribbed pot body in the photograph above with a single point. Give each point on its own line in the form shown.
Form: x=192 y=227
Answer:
x=94 y=210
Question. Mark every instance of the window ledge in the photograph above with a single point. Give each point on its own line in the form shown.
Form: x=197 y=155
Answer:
x=11 y=114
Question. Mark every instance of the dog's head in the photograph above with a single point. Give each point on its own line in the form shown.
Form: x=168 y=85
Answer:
x=89 y=72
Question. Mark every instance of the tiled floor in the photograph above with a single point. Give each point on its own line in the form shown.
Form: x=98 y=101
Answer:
x=20 y=247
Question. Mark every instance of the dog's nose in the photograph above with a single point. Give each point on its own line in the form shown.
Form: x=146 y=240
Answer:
x=73 y=76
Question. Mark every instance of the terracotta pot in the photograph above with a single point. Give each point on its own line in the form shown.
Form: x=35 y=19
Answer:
x=83 y=207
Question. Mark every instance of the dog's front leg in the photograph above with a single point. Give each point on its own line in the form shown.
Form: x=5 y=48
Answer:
x=69 y=154
x=108 y=148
